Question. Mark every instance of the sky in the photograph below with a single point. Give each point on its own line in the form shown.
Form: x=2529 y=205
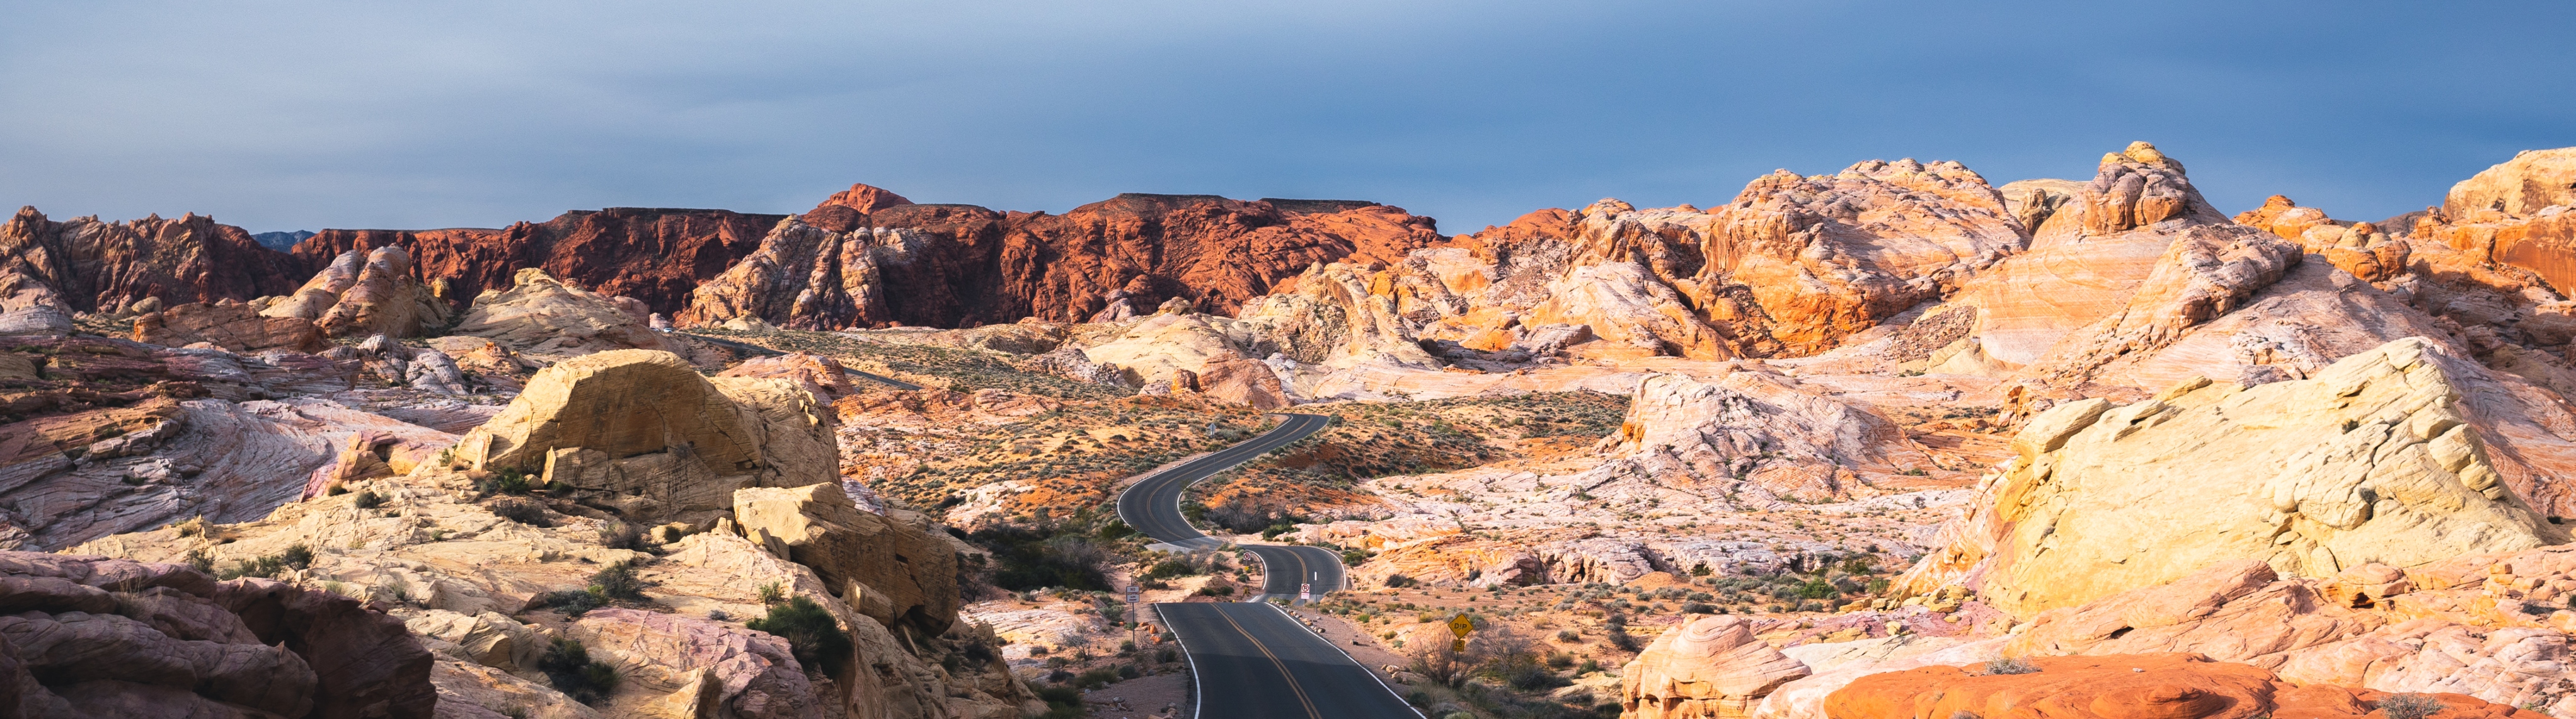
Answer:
x=414 y=114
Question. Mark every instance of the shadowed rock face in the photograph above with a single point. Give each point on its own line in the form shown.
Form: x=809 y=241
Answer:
x=651 y=254
x=93 y=636
x=102 y=266
x=960 y=265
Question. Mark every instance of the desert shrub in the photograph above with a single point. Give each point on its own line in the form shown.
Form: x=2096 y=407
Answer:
x=521 y=511
x=2409 y=706
x=1096 y=677
x=1030 y=559
x=568 y=665
x=1115 y=530
x=1216 y=590
x=1698 y=608
x=201 y=560
x=620 y=535
x=572 y=602
x=1174 y=567
x=2010 y=665
x=819 y=644
x=1063 y=702
x=269 y=566
x=1568 y=635
x=367 y=500
x=772 y=593
x=1619 y=637
x=617 y=581
x=1816 y=589
x=506 y=481
x=1398 y=581
x=194 y=527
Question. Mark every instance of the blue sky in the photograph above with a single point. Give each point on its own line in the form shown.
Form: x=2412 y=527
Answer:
x=305 y=115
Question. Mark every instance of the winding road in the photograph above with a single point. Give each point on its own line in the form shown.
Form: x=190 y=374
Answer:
x=1251 y=659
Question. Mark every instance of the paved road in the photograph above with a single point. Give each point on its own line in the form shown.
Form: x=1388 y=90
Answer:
x=1153 y=506
x=1249 y=658
x=1253 y=662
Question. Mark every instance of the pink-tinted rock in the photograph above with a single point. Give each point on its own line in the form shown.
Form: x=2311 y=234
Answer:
x=232 y=326
x=114 y=637
x=757 y=672
x=365 y=663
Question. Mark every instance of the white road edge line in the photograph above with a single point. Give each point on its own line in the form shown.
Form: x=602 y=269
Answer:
x=1198 y=694
x=1355 y=661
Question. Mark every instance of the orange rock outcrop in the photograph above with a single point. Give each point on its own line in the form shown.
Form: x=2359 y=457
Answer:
x=2121 y=686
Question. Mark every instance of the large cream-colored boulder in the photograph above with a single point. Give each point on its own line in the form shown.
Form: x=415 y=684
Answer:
x=642 y=430
x=2373 y=460
x=887 y=569
x=546 y=319
x=1710 y=668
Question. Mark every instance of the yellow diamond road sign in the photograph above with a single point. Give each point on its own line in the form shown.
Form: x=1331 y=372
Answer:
x=1461 y=625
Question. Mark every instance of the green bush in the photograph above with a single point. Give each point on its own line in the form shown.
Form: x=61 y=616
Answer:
x=809 y=630
x=620 y=535
x=1170 y=568
x=2409 y=706
x=568 y=665
x=367 y=500
x=617 y=581
x=268 y=566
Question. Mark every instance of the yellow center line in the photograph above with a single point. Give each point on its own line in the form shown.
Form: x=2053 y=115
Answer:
x=1274 y=661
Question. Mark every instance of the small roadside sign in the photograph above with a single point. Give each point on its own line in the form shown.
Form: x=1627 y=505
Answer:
x=1461 y=625
x=1133 y=594
x=1306 y=592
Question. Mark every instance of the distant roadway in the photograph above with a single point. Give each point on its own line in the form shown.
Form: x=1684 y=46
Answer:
x=1153 y=506
x=1249 y=659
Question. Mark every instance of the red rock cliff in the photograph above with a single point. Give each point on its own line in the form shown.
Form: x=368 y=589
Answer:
x=654 y=255
x=960 y=265
x=96 y=265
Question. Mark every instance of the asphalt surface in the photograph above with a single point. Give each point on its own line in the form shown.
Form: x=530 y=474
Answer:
x=1250 y=659
x=1153 y=506
x=1253 y=662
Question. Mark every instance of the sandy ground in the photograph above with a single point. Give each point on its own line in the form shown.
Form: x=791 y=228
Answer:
x=1163 y=695
x=1368 y=650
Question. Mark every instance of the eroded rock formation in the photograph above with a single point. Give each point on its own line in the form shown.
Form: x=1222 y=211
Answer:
x=229 y=325
x=2373 y=460
x=887 y=569
x=1708 y=667
x=652 y=254
x=872 y=260
x=643 y=430
x=365 y=293
x=94 y=636
x=548 y=319
x=96 y=266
